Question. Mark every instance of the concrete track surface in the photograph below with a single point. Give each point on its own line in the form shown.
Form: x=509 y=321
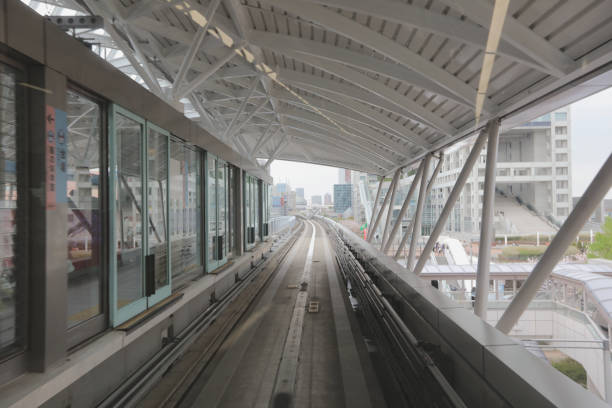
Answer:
x=298 y=345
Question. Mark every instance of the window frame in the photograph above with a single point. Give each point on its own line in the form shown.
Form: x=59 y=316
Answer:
x=99 y=323
x=13 y=357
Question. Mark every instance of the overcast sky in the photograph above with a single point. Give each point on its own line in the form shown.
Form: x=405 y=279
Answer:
x=591 y=138
x=591 y=143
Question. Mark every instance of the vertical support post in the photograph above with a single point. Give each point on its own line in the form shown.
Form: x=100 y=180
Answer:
x=372 y=231
x=375 y=205
x=607 y=368
x=432 y=180
x=452 y=198
x=591 y=198
x=416 y=229
x=486 y=229
x=405 y=206
x=390 y=210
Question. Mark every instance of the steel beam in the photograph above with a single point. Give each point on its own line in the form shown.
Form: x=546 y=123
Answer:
x=390 y=210
x=245 y=100
x=416 y=224
x=202 y=77
x=452 y=199
x=194 y=47
x=375 y=204
x=264 y=139
x=375 y=225
x=486 y=227
x=432 y=180
x=591 y=198
x=404 y=209
x=237 y=129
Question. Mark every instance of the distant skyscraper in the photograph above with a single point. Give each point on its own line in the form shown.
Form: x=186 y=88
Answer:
x=315 y=200
x=299 y=192
x=344 y=176
x=327 y=199
x=343 y=197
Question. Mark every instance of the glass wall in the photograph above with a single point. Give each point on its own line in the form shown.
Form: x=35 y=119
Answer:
x=251 y=211
x=265 y=209
x=157 y=211
x=11 y=325
x=185 y=212
x=139 y=274
x=84 y=213
x=218 y=214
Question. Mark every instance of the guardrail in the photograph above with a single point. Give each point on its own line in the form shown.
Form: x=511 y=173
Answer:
x=484 y=367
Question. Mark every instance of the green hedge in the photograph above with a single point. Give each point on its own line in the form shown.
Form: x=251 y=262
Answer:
x=523 y=252
x=572 y=369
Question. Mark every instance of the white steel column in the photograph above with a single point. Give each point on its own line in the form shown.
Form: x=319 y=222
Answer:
x=452 y=199
x=591 y=198
x=606 y=368
x=432 y=180
x=416 y=225
x=372 y=231
x=405 y=206
x=375 y=204
x=486 y=227
x=390 y=210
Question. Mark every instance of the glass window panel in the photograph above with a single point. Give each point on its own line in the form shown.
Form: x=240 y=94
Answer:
x=212 y=207
x=221 y=195
x=84 y=220
x=184 y=194
x=9 y=323
x=128 y=202
x=157 y=175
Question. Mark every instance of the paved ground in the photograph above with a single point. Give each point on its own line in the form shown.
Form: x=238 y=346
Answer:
x=329 y=362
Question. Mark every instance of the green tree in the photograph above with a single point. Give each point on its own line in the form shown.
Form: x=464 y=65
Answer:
x=602 y=244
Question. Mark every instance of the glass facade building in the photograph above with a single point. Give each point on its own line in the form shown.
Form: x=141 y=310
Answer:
x=343 y=197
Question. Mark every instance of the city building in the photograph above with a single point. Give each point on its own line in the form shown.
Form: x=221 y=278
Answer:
x=299 y=192
x=327 y=199
x=344 y=176
x=343 y=196
x=315 y=201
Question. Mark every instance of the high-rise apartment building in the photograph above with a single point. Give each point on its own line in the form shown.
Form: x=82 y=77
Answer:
x=533 y=181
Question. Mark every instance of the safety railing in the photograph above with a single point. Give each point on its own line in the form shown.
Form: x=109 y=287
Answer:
x=279 y=224
x=477 y=363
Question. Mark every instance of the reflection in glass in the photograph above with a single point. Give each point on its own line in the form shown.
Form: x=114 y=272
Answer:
x=157 y=174
x=128 y=202
x=8 y=208
x=84 y=232
x=184 y=199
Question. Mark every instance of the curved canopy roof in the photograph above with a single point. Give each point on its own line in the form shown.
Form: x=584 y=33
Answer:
x=361 y=84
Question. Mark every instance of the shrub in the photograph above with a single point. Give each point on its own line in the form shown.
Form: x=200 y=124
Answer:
x=602 y=244
x=572 y=369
